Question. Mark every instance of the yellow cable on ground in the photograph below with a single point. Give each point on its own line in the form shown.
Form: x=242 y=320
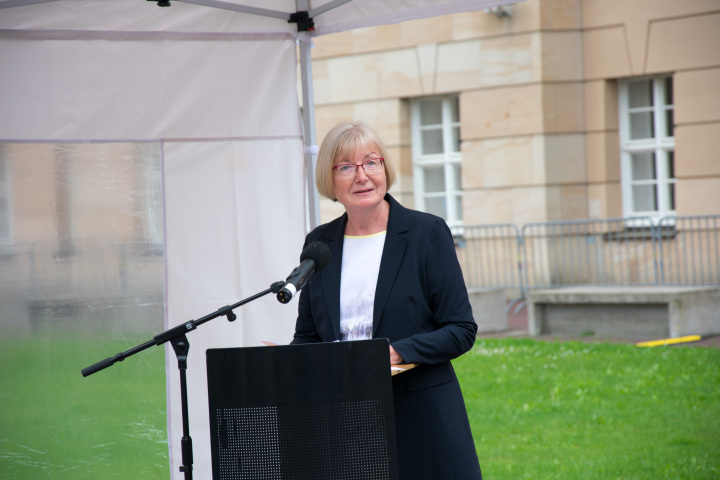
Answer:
x=669 y=341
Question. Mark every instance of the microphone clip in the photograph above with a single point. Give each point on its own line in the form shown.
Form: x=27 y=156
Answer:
x=277 y=286
x=227 y=312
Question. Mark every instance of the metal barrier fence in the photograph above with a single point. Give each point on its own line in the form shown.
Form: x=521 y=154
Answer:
x=691 y=256
x=589 y=252
x=490 y=257
x=610 y=252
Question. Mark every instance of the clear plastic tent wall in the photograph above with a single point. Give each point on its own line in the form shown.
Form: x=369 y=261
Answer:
x=151 y=172
x=111 y=114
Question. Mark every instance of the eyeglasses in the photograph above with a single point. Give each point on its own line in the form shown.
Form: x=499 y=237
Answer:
x=348 y=170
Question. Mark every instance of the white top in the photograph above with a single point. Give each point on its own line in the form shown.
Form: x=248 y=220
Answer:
x=358 y=280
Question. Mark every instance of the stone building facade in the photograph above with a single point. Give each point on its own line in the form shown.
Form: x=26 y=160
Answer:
x=547 y=110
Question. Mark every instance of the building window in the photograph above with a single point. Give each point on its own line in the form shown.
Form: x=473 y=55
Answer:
x=436 y=157
x=647 y=147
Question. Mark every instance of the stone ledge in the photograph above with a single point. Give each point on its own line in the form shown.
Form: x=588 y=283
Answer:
x=645 y=312
x=616 y=294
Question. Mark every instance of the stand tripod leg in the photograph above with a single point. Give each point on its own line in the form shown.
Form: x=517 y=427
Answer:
x=182 y=346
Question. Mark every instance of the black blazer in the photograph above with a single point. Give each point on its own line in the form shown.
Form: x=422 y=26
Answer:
x=422 y=307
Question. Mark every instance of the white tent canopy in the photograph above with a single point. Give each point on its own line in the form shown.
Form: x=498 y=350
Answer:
x=330 y=16
x=214 y=85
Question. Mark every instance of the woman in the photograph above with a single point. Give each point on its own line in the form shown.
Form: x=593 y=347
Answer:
x=394 y=274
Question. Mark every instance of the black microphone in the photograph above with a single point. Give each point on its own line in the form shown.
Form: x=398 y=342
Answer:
x=314 y=258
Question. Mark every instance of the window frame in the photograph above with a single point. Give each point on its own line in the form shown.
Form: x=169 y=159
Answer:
x=450 y=160
x=661 y=145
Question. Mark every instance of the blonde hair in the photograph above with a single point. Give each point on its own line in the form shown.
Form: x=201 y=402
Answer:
x=340 y=143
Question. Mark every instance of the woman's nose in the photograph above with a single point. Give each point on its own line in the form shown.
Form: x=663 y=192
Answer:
x=360 y=175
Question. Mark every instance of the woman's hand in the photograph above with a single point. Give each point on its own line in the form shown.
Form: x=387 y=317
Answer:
x=395 y=357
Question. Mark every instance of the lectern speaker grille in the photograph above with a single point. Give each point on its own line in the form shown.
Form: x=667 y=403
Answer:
x=302 y=412
x=248 y=443
x=304 y=442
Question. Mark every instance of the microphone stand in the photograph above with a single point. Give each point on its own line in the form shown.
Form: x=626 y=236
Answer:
x=181 y=346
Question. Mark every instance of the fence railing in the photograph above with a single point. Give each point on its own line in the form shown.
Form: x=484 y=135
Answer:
x=609 y=252
x=490 y=257
x=690 y=256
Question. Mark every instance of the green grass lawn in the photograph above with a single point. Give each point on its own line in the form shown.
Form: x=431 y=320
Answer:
x=540 y=410
x=572 y=410
x=56 y=424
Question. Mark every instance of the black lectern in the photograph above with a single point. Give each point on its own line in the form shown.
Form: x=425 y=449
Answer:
x=302 y=412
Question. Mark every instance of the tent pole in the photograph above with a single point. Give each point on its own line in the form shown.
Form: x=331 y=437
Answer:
x=308 y=112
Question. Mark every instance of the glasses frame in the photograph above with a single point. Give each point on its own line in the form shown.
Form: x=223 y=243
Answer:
x=357 y=165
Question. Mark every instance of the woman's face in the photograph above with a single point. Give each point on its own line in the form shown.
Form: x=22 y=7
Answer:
x=360 y=190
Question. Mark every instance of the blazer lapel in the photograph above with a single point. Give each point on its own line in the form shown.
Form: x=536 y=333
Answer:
x=393 y=251
x=331 y=274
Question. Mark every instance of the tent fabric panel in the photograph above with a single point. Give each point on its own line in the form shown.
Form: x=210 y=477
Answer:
x=234 y=225
x=104 y=89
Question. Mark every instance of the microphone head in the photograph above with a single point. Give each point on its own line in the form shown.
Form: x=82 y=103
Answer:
x=317 y=252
